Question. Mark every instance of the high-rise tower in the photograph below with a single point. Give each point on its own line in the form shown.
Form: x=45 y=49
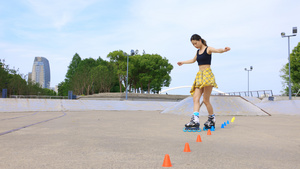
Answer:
x=41 y=72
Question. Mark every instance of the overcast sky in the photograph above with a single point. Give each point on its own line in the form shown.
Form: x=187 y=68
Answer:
x=57 y=29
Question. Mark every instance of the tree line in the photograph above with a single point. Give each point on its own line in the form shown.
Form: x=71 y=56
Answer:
x=295 y=72
x=146 y=73
x=16 y=84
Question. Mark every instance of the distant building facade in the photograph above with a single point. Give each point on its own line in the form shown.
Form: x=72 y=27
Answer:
x=40 y=72
x=29 y=76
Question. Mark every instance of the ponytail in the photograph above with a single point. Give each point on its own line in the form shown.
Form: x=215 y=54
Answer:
x=204 y=42
x=198 y=38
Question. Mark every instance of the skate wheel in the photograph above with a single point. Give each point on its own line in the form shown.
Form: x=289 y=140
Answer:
x=184 y=130
x=204 y=129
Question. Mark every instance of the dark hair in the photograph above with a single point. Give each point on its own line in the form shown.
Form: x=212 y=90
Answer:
x=198 y=38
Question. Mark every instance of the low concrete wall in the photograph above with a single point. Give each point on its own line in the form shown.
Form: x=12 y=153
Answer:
x=23 y=105
x=222 y=105
x=134 y=97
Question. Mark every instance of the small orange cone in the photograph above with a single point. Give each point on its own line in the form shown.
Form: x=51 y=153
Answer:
x=187 y=148
x=198 y=138
x=208 y=132
x=167 y=161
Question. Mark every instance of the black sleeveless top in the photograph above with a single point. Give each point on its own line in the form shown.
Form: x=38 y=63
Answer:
x=204 y=58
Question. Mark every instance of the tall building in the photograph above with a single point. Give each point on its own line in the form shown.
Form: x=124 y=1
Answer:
x=29 y=76
x=40 y=72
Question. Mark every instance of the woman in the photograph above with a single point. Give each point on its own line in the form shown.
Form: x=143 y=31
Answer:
x=204 y=81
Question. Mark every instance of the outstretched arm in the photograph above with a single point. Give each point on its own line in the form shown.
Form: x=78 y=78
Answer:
x=187 y=61
x=211 y=50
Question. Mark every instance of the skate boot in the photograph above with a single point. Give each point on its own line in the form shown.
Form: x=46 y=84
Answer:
x=193 y=125
x=211 y=122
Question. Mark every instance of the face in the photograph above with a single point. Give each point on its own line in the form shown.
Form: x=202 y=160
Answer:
x=196 y=43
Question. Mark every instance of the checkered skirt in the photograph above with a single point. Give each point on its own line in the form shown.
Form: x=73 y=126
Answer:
x=203 y=79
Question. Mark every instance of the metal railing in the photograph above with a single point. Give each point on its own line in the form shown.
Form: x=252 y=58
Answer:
x=37 y=97
x=257 y=93
x=297 y=93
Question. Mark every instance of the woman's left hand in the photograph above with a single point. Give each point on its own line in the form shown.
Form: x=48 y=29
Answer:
x=227 y=49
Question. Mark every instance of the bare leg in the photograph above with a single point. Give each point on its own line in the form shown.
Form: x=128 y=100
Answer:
x=196 y=99
x=194 y=123
x=206 y=101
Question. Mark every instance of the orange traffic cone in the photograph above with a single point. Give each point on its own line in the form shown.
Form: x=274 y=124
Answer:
x=208 y=132
x=198 y=138
x=187 y=148
x=167 y=161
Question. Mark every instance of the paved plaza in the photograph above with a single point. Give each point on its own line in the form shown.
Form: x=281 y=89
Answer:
x=141 y=139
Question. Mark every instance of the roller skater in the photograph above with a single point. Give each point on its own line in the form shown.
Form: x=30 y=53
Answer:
x=194 y=124
x=210 y=122
x=203 y=83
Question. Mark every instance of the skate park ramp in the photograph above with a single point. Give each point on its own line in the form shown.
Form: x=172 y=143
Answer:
x=290 y=107
x=254 y=100
x=222 y=105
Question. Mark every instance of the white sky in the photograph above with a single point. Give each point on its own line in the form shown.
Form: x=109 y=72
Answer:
x=57 y=29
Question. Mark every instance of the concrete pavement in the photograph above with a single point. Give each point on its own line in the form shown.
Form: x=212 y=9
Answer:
x=140 y=139
x=87 y=134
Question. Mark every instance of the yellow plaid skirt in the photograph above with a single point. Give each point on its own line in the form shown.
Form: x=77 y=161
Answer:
x=203 y=79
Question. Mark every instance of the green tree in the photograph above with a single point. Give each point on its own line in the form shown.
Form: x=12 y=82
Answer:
x=64 y=86
x=119 y=59
x=73 y=65
x=82 y=80
x=155 y=72
x=103 y=78
x=17 y=84
x=3 y=75
x=88 y=76
x=295 y=72
x=134 y=70
x=146 y=73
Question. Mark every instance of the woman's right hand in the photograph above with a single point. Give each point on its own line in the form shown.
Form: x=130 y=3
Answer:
x=179 y=63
